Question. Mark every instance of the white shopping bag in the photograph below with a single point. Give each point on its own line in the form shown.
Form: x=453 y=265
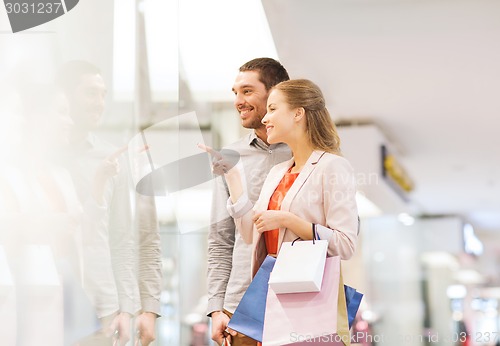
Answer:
x=299 y=267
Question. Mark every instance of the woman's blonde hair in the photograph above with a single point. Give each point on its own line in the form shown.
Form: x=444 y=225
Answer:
x=320 y=127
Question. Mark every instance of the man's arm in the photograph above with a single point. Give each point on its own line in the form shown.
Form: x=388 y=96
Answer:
x=221 y=237
x=220 y=248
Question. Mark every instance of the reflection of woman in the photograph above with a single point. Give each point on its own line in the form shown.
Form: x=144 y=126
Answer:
x=312 y=193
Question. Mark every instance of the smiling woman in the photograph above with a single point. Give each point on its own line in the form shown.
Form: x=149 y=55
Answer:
x=301 y=102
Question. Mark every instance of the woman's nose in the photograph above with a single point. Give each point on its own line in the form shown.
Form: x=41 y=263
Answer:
x=264 y=120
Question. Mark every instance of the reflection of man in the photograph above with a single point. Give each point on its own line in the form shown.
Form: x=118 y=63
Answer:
x=229 y=257
x=100 y=173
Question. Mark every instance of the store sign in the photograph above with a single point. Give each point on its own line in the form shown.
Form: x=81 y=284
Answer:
x=395 y=174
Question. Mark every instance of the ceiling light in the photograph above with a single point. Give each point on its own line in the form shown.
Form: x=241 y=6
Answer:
x=406 y=219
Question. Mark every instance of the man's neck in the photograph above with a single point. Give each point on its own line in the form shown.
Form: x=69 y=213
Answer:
x=261 y=132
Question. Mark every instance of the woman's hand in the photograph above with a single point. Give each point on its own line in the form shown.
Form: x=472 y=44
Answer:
x=273 y=219
x=269 y=220
x=220 y=165
x=227 y=165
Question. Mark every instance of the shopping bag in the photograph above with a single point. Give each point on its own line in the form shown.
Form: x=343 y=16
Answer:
x=248 y=318
x=299 y=267
x=312 y=318
x=353 y=300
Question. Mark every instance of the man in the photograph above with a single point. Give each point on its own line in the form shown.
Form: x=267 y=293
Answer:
x=101 y=177
x=229 y=256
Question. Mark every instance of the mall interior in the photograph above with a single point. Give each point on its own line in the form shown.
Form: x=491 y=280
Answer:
x=412 y=86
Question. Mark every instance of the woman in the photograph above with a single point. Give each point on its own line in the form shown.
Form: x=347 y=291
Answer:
x=312 y=193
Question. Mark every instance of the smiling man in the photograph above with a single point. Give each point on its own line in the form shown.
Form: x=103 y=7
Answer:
x=229 y=257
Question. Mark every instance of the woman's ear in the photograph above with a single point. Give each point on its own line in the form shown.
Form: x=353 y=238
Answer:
x=299 y=113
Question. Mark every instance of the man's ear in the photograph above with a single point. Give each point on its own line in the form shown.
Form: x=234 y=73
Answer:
x=299 y=113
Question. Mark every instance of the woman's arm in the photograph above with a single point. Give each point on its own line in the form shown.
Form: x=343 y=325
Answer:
x=238 y=204
x=341 y=212
x=234 y=184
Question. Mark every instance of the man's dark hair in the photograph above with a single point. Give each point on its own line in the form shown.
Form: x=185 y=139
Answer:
x=271 y=72
x=70 y=73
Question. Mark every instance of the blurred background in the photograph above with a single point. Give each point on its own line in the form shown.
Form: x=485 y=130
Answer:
x=413 y=87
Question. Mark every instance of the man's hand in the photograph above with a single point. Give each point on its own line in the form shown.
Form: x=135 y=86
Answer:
x=219 y=328
x=145 y=326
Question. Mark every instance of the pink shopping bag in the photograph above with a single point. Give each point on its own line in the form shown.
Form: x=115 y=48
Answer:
x=313 y=318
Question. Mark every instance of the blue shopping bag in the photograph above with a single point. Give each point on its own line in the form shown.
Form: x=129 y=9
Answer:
x=353 y=300
x=248 y=318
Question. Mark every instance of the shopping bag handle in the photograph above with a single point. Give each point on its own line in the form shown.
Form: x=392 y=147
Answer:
x=313 y=232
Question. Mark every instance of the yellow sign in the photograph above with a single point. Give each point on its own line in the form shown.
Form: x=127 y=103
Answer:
x=393 y=170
